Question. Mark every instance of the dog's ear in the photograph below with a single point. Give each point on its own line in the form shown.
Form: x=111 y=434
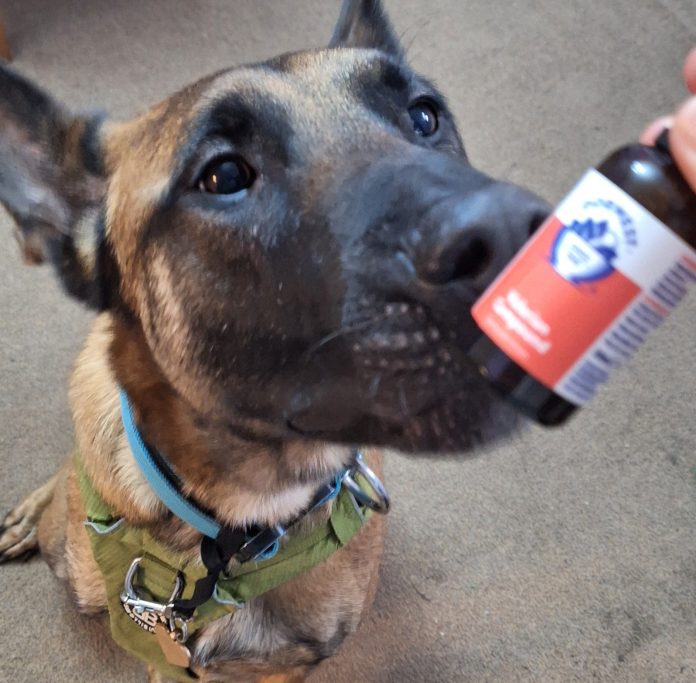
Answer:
x=364 y=23
x=51 y=177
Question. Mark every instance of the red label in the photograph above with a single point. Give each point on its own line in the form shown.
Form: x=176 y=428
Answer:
x=541 y=320
x=587 y=289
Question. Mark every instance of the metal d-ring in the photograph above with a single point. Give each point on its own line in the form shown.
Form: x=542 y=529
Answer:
x=131 y=599
x=379 y=502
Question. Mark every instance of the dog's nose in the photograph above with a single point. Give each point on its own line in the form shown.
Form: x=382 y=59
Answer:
x=471 y=238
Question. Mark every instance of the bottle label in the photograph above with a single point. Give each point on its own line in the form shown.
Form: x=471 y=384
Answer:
x=586 y=290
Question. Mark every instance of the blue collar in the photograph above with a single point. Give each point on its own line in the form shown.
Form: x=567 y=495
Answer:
x=162 y=482
x=167 y=487
x=220 y=543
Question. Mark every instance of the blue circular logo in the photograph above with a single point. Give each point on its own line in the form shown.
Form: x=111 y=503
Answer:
x=586 y=249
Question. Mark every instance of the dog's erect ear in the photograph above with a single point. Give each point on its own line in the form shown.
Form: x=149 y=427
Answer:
x=364 y=23
x=51 y=176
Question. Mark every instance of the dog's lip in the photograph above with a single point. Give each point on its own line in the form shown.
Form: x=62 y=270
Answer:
x=389 y=392
x=410 y=364
x=320 y=412
x=334 y=402
x=424 y=433
x=336 y=428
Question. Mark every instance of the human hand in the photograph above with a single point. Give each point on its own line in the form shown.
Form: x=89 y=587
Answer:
x=682 y=124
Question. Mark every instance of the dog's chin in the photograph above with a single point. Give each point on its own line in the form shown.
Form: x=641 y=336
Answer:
x=428 y=414
x=410 y=386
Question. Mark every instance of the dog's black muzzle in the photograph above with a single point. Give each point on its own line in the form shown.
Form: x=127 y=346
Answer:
x=421 y=237
x=430 y=227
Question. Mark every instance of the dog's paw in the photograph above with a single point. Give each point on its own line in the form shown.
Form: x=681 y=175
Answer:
x=18 y=534
x=18 y=537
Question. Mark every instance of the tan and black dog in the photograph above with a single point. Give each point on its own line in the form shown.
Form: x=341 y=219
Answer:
x=283 y=257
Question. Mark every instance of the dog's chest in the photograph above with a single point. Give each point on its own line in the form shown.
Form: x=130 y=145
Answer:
x=280 y=629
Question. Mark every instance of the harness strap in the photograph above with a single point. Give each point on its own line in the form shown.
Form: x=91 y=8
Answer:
x=215 y=557
x=233 y=543
x=115 y=544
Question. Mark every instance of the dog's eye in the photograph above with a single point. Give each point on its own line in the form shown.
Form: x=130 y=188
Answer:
x=228 y=175
x=424 y=116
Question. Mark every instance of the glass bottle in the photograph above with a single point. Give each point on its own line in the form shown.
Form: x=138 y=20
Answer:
x=604 y=270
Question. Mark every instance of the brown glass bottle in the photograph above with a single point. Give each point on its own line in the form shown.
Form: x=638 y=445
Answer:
x=648 y=175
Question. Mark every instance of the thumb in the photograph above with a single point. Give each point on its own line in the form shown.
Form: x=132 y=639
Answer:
x=682 y=141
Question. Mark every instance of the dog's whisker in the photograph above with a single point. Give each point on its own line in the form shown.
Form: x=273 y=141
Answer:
x=349 y=329
x=403 y=402
x=374 y=385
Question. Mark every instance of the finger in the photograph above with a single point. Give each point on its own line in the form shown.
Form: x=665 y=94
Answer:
x=682 y=141
x=690 y=71
x=655 y=128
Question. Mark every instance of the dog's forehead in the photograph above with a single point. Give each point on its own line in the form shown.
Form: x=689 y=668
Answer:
x=320 y=99
x=315 y=78
x=314 y=93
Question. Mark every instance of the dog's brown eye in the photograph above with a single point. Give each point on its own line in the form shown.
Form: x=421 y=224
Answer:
x=226 y=176
x=424 y=116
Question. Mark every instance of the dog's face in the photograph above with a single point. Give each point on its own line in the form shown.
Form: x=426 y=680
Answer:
x=299 y=241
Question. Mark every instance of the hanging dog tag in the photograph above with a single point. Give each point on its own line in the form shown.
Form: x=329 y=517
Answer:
x=176 y=653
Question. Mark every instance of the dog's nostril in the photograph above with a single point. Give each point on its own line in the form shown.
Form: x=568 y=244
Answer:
x=472 y=260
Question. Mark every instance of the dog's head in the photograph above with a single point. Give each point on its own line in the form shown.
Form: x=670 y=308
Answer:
x=297 y=242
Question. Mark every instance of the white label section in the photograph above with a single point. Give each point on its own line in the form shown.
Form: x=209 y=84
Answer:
x=649 y=254
x=617 y=226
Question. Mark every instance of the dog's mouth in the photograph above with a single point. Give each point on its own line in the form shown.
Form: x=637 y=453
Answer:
x=411 y=387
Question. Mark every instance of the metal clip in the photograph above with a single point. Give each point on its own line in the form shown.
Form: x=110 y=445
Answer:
x=379 y=502
x=147 y=613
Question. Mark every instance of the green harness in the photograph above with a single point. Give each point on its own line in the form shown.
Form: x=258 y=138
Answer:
x=122 y=550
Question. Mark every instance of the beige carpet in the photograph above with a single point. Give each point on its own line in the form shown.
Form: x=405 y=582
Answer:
x=564 y=556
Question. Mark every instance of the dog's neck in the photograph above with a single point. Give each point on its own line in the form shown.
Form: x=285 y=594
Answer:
x=241 y=481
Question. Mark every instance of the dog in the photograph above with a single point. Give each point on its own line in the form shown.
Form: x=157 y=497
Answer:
x=282 y=258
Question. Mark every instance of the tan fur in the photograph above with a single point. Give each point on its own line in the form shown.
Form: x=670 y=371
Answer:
x=19 y=534
x=52 y=529
x=99 y=432
x=83 y=572
x=139 y=174
x=280 y=636
x=343 y=585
